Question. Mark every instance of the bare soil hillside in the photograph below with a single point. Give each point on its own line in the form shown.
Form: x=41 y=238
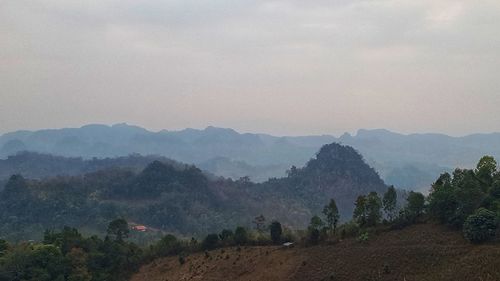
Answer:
x=420 y=253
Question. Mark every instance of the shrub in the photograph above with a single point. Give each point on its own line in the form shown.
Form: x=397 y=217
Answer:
x=349 y=229
x=276 y=232
x=168 y=245
x=314 y=236
x=240 y=236
x=416 y=203
x=210 y=242
x=480 y=226
x=226 y=235
x=363 y=237
x=182 y=260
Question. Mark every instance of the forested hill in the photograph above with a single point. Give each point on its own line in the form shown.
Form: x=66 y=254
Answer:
x=35 y=165
x=181 y=198
x=337 y=171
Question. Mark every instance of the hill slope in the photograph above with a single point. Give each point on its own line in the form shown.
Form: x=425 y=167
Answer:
x=420 y=252
x=182 y=199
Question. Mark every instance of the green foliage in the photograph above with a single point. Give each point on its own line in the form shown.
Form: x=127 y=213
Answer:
x=77 y=259
x=171 y=197
x=415 y=204
x=349 y=229
x=373 y=209
x=461 y=200
x=480 y=226
x=226 y=235
x=316 y=223
x=442 y=199
x=360 y=214
x=485 y=169
x=68 y=256
x=390 y=203
x=3 y=246
x=210 y=242
x=168 y=245
x=316 y=226
x=363 y=237
x=118 y=229
x=332 y=215
x=276 y=232
x=368 y=209
x=454 y=198
x=313 y=236
x=240 y=236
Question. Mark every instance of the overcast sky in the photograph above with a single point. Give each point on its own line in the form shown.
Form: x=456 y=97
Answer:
x=282 y=67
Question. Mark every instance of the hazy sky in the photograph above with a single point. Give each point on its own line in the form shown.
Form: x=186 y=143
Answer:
x=282 y=67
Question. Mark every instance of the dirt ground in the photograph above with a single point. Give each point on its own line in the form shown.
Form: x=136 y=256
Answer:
x=417 y=253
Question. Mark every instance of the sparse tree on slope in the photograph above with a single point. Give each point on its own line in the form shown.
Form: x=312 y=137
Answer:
x=360 y=212
x=416 y=201
x=276 y=231
x=390 y=202
x=331 y=213
x=374 y=209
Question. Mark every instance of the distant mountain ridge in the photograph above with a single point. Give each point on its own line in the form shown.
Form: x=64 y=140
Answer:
x=407 y=161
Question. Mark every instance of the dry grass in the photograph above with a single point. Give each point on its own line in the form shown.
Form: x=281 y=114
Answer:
x=420 y=253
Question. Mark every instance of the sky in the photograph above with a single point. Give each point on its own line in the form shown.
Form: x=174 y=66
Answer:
x=283 y=67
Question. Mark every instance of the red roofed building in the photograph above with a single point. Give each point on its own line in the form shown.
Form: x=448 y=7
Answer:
x=140 y=228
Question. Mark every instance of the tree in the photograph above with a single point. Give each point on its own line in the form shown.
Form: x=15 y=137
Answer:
x=240 y=236
x=3 y=247
x=480 y=226
x=47 y=263
x=390 y=201
x=276 y=231
x=373 y=209
x=118 y=229
x=331 y=213
x=314 y=236
x=168 y=245
x=316 y=223
x=226 y=234
x=360 y=211
x=442 y=199
x=315 y=226
x=416 y=202
x=78 y=260
x=485 y=170
x=210 y=242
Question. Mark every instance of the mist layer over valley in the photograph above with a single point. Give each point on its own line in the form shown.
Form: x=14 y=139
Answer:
x=406 y=161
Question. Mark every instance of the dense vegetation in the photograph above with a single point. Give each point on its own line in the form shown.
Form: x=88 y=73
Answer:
x=468 y=199
x=181 y=199
x=34 y=165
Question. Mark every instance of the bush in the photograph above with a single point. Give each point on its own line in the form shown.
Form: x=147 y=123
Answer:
x=276 y=232
x=240 y=236
x=210 y=242
x=168 y=245
x=314 y=236
x=226 y=235
x=480 y=226
x=363 y=237
x=349 y=229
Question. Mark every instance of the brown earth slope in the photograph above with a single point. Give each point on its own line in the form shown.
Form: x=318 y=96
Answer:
x=420 y=253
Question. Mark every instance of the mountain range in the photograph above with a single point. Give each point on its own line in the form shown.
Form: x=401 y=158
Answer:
x=407 y=161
